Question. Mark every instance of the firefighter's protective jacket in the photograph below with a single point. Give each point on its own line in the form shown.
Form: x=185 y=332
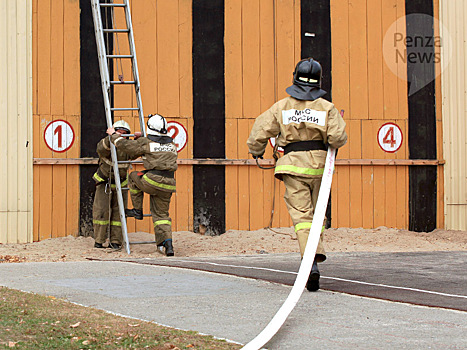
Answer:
x=293 y=120
x=159 y=154
x=105 y=169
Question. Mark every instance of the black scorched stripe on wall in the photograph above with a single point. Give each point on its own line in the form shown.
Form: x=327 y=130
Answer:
x=315 y=18
x=93 y=122
x=208 y=114
x=422 y=121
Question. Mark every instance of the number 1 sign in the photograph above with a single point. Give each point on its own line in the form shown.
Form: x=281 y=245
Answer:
x=390 y=137
x=59 y=135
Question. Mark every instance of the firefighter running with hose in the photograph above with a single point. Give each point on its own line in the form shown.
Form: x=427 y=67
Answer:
x=105 y=212
x=305 y=124
x=159 y=155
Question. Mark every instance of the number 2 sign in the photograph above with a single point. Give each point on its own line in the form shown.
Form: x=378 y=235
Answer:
x=59 y=135
x=390 y=137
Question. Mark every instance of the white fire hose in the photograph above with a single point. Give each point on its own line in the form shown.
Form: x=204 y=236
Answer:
x=305 y=267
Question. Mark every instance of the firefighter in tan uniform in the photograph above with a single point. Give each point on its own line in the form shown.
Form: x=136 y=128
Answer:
x=105 y=210
x=305 y=124
x=159 y=155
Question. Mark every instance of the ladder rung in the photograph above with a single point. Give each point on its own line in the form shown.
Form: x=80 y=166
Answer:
x=130 y=162
x=125 y=109
x=119 y=56
x=147 y=215
x=111 y=5
x=116 y=30
x=151 y=242
x=116 y=82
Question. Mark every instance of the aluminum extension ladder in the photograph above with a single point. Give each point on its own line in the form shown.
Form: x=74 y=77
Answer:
x=98 y=10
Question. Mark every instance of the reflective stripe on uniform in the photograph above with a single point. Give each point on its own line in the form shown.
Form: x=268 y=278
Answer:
x=162 y=222
x=122 y=184
x=135 y=191
x=118 y=139
x=298 y=170
x=98 y=178
x=157 y=184
x=100 y=222
x=116 y=223
x=302 y=226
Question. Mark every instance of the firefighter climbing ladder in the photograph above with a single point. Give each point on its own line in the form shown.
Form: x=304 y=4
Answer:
x=104 y=59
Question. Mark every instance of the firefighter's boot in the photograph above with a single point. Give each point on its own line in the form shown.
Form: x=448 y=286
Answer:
x=134 y=213
x=168 y=247
x=313 y=280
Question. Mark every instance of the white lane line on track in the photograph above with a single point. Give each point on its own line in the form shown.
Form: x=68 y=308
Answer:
x=332 y=278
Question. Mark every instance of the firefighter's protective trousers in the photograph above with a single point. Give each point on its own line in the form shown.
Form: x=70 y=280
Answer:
x=101 y=218
x=159 y=204
x=301 y=195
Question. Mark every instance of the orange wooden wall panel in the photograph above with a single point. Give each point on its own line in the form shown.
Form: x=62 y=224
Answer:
x=268 y=92
x=375 y=60
x=55 y=96
x=390 y=81
x=251 y=58
x=167 y=58
x=231 y=175
x=57 y=111
x=144 y=24
x=36 y=183
x=286 y=52
x=243 y=177
x=340 y=55
x=185 y=63
x=368 y=196
x=256 y=194
x=233 y=111
x=71 y=110
x=355 y=173
x=368 y=142
x=250 y=47
x=358 y=64
x=403 y=105
x=184 y=178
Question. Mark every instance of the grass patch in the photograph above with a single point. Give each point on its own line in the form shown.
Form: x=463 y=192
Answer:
x=31 y=321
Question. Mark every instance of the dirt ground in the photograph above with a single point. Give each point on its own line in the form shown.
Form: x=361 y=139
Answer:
x=233 y=242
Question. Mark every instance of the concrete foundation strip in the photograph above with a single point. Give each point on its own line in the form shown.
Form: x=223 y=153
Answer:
x=305 y=267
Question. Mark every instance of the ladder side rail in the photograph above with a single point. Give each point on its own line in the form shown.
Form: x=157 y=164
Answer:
x=134 y=66
x=105 y=80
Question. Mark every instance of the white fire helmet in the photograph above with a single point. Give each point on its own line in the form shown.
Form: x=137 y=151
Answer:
x=122 y=125
x=157 y=125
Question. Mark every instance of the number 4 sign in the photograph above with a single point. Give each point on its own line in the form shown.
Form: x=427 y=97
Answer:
x=390 y=137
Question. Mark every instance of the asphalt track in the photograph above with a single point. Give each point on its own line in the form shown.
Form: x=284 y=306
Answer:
x=436 y=279
x=181 y=293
